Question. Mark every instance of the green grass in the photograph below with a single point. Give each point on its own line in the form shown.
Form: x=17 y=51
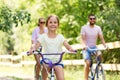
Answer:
x=17 y=73
x=113 y=75
x=71 y=73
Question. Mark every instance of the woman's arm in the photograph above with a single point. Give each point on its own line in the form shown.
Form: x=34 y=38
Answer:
x=34 y=47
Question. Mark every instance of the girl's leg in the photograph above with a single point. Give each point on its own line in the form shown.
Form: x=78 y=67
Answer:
x=59 y=72
x=45 y=72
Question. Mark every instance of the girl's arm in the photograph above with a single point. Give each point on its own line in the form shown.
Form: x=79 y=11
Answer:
x=68 y=47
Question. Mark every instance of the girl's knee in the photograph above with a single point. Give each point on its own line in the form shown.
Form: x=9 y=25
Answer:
x=59 y=72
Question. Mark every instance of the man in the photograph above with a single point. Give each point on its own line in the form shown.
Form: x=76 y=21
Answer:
x=89 y=36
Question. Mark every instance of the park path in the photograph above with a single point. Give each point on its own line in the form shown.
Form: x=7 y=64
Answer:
x=6 y=76
x=16 y=73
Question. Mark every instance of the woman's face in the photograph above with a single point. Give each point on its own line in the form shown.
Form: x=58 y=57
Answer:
x=42 y=22
x=52 y=24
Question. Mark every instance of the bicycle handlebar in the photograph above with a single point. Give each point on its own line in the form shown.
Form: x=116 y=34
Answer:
x=50 y=63
x=45 y=53
x=97 y=49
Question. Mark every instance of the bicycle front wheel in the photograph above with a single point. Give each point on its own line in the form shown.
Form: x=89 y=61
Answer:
x=99 y=73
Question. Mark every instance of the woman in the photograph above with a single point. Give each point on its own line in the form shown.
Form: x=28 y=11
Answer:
x=37 y=32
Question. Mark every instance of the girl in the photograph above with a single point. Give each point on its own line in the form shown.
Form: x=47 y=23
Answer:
x=52 y=42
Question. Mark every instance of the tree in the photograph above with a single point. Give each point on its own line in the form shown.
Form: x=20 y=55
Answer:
x=8 y=18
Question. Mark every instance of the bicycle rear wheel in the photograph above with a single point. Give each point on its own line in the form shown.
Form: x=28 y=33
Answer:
x=99 y=73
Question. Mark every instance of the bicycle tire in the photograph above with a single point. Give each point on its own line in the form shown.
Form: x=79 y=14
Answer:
x=99 y=73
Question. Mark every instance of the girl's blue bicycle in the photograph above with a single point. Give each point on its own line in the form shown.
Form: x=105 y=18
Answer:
x=46 y=61
x=97 y=73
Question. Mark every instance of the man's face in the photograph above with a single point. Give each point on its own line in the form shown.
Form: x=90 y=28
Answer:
x=92 y=20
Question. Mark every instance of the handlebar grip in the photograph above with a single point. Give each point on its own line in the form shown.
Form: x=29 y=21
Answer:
x=28 y=53
x=75 y=51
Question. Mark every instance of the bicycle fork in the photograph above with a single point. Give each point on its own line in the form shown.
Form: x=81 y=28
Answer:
x=52 y=74
x=92 y=73
x=97 y=66
x=96 y=71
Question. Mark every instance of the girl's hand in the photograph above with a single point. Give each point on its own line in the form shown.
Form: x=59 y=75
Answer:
x=72 y=50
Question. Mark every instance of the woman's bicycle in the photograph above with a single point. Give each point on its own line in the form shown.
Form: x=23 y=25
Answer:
x=46 y=61
x=97 y=73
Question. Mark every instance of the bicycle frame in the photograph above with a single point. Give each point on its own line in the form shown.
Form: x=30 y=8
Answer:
x=94 y=75
x=50 y=63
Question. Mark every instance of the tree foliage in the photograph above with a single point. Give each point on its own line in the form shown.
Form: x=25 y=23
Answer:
x=73 y=14
x=8 y=18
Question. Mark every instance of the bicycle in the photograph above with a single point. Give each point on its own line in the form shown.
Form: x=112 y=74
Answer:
x=97 y=73
x=49 y=62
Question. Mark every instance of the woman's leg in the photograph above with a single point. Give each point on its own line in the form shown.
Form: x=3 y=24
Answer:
x=59 y=72
x=37 y=65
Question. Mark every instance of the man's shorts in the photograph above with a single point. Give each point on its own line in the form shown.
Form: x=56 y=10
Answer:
x=87 y=53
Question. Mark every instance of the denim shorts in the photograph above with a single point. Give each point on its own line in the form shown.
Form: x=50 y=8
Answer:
x=87 y=53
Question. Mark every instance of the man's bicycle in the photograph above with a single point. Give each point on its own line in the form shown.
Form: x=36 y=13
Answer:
x=97 y=73
x=46 y=61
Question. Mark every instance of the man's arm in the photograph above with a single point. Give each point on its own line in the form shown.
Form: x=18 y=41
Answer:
x=102 y=40
x=83 y=41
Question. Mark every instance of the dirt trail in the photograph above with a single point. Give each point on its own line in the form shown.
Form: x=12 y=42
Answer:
x=5 y=76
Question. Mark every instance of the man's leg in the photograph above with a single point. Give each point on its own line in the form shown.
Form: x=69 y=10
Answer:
x=86 y=69
x=86 y=56
x=99 y=55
